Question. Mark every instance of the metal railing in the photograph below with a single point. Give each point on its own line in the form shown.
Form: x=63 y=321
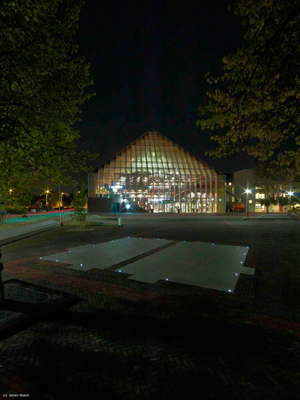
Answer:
x=63 y=217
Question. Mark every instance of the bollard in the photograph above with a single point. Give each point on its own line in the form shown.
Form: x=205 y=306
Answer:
x=120 y=221
x=1 y=282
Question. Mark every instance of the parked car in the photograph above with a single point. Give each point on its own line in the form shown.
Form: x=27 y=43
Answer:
x=32 y=207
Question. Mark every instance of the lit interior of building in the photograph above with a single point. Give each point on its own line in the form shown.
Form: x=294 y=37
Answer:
x=155 y=174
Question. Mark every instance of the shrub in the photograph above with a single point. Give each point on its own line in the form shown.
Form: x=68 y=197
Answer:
x=16 y=209
x=283 y=201
x=273 y=201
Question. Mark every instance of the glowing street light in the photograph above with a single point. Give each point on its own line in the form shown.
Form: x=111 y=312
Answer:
x=60 y=200
x=47 y=192
x=247 y=191
x=10 y=190
x=290 y=194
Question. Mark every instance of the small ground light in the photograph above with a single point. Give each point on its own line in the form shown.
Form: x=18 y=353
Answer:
x=112 y=241
x=241 y=262
x=120 y=270
x=93 y=245
x=229 y=290
x=69 y=251
x=167 y=279
x=184 y=241
x=81 y=265
x=127 y=237
x=140 y=238
x=41 y=258
x=56 y=260
x=244 y=254
x=236 y=274
x=212 y=244
x=247 y=247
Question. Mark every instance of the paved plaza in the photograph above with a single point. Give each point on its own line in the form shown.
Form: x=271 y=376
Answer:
x=201 y=264
x=135 y=335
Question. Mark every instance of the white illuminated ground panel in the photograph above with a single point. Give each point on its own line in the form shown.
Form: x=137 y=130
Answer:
x=199 y=264
x=207 y=265
x=104 y=255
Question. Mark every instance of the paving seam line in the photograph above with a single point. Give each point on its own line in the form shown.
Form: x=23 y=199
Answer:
x=36 y=231
x=140 y=256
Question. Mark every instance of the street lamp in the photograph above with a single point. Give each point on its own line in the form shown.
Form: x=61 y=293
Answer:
x=10 y=190
x=60 y=199
x=247 y=191
x=47 y=192
x=290 y=194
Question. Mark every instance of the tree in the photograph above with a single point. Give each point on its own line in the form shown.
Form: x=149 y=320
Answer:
x=79 y=204
x=42 y=83
x=256 y=108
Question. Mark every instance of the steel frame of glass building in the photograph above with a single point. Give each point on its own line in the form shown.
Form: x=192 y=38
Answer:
x=155 y=173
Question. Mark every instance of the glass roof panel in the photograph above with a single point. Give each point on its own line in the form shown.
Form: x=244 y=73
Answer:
x=161 y=154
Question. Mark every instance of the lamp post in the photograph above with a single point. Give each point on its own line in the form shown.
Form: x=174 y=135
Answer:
x=10 y=190
x=60 y=199
x=290 y=194
x=247 y=192
x=47 y=192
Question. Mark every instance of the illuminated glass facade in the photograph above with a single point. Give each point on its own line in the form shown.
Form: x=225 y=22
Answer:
x=155 y=173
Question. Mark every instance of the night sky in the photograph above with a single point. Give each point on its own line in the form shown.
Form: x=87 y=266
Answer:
x=148 y=61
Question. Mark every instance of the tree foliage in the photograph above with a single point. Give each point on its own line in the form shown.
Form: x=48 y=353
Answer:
x=79 y=204
x=256 y=108
x=42 y=83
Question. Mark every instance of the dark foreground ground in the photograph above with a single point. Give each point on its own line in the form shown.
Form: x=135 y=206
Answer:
x=123 y=341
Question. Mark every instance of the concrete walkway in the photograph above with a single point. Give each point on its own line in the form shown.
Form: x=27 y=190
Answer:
x=8 y=235
x=20 y=232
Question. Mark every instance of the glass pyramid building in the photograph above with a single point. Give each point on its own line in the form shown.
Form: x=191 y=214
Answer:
x=157 y=175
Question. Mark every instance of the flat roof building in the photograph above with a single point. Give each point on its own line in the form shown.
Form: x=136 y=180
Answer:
x=155 y=174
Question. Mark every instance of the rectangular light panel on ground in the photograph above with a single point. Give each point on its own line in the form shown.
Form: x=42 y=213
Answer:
x=199 y=264
x=104 y=255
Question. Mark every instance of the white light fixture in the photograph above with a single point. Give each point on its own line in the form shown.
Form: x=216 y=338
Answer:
x=290 y=193
x=41 y=258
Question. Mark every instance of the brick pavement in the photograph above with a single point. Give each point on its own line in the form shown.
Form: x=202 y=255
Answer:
x=130 y=340
x=96 y=352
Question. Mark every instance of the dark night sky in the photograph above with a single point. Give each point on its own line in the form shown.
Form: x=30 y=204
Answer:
x=148 y=63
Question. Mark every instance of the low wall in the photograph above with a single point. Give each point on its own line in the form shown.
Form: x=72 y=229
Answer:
x=103 y=204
